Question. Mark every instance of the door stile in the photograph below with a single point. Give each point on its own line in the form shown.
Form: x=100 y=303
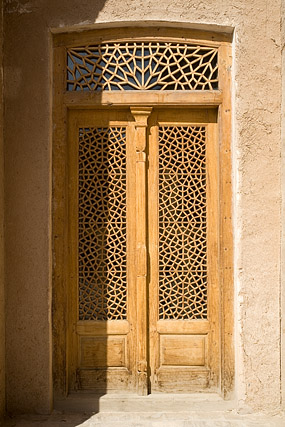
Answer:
x=153 y=245
x=140 y=127
x=72 y=306
x=212 y=190
x=131 y=253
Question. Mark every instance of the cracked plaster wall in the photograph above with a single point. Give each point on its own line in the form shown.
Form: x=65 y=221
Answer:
x=256 y=173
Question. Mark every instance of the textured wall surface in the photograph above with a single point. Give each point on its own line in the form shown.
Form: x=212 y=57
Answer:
x=256 y=169
x=283 y=207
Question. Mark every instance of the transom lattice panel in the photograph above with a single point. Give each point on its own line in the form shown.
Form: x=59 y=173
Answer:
x=142 y=66
x=102 y=224
x=182 y=223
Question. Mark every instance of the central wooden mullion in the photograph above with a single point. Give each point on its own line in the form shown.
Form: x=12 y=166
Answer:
x=140 y=134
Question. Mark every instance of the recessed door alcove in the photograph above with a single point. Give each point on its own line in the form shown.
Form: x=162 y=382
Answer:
x=142 y=212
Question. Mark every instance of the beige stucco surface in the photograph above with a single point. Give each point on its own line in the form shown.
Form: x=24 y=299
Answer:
x=283 y=209
x=256 y=178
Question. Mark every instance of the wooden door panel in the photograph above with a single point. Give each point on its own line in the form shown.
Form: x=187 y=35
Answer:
x=181 y=380
x=182 y=350
x=104 y=363
x=102 y=349
x=120 y=329
x=183 y=244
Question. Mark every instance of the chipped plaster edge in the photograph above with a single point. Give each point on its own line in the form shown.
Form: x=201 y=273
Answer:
x=240 y=392
x=98 y=24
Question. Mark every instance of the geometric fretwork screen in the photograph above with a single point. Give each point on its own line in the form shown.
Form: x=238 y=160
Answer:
x=152 y=65
x=102 y=260
x=182 y=223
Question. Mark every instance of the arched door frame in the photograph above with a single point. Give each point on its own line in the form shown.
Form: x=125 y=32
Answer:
x=64 y=101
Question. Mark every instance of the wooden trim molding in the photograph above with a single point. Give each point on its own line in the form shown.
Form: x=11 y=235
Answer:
x=141 y=117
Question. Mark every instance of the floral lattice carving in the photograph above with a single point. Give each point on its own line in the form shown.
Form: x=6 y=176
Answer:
x=102 y=224
x=142 y=66
x=182 y=223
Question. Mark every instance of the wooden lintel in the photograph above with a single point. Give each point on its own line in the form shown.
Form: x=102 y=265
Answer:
x=146 y=98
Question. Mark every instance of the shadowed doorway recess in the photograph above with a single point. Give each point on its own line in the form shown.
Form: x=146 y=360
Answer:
x=146 y=275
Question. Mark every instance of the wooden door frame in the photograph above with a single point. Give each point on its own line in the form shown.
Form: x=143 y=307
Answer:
x=63 y=101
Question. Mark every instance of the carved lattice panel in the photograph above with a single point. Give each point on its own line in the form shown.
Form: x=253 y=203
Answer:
x=182 y=223
x=102 y=224
x=142 y=66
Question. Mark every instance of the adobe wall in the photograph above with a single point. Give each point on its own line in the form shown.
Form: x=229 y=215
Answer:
x=256 y=177
x=283 y=208
x=2 y=294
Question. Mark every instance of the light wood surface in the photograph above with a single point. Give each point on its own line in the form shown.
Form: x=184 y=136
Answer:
x=103 y=335
x=174 y=328
x=146 y=98
x=140 y=127
x=182 y=341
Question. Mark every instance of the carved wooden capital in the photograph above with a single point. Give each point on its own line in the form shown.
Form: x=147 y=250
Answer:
x=141 y=115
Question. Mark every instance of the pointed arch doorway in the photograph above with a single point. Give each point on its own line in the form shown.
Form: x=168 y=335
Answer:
x=144 y=196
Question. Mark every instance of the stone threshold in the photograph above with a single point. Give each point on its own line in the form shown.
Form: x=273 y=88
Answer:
x=126 y=403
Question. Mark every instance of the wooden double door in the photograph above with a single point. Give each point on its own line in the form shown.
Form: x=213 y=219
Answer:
x=144 y=301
